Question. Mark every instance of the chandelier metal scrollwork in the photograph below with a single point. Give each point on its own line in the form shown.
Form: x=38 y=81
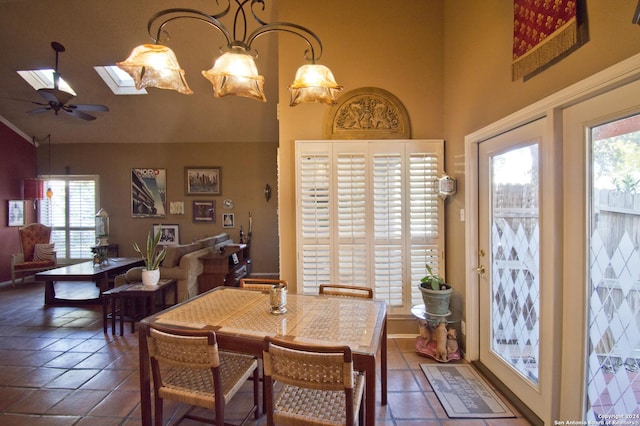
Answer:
x=235 y=71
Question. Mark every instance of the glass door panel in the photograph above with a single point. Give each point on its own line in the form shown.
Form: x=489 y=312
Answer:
x=613 y=367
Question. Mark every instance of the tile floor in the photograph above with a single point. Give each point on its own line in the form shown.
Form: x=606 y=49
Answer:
x=58 y=368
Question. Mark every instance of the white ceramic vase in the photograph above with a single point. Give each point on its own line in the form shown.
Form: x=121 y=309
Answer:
x=150 y=277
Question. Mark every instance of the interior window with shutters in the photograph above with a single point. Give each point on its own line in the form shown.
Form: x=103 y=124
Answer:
x=71 y=212
x=368 y=214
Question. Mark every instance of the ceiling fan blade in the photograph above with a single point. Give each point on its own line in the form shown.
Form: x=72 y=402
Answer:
x=55 y=95
x=89 y=107
x=39 y=110
x=79 y=114
x=26 y=100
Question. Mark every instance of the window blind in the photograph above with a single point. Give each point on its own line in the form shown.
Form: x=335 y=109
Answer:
x=71 y=213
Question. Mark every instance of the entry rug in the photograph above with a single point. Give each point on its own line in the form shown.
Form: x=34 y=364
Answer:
x=463 y=393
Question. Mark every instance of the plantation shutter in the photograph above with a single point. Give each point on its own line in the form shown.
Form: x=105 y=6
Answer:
x=71 y=213
x=368 y=215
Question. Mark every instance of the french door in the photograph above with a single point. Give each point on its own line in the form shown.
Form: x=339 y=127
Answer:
x=602 y=253
x=515 y=298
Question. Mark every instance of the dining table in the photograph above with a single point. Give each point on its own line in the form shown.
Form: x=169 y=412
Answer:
x=242 y=318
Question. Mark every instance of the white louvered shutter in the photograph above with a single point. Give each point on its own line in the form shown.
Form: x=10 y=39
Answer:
x=368 y=215
x=71 y=212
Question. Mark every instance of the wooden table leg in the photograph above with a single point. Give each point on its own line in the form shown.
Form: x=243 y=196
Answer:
x=49 y=293
x=123 y=312
x=145 y=376
x=383 y=364
x=104 y=315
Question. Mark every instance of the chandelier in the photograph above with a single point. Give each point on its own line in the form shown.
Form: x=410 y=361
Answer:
x=235 y=71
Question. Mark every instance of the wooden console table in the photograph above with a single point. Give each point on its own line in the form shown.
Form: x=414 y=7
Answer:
x=224 y=268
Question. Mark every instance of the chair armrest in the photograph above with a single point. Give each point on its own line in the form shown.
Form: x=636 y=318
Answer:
x=17 y=258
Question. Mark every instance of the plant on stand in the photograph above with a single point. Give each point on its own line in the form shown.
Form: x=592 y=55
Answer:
x=436 y=293
x=152 y=258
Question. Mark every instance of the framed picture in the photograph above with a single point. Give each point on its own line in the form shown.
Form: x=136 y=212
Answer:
x=202 y=180
x=16 y=213
x=228 y=220
x=204 y=211
x=170 y=234
x=148 y=192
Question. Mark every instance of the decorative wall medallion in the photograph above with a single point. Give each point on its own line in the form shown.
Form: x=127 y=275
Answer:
x=367 y=113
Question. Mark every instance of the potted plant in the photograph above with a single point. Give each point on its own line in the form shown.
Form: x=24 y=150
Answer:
x=152 y=258
x=436 y=293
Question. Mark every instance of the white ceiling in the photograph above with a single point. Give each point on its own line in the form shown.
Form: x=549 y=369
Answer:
x=103 y=33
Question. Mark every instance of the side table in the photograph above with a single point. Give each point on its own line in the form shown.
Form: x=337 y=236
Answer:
x=426 y=343
x=140 y=299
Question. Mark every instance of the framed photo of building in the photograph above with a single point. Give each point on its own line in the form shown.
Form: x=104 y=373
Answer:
x=202 y=180
x=148 y=192
x=16 y=213
x=170 y=234
x=204 y=211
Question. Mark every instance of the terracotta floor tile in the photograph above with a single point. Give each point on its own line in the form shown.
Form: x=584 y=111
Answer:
x=57 y=367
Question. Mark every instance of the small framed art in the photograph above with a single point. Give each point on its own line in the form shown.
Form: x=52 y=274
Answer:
x=228 y=220
x=16 y=213
x=202 y=180
x=204 y=211
x=170 y=235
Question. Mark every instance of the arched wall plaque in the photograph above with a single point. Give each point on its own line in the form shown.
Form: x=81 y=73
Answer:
x=367 y=113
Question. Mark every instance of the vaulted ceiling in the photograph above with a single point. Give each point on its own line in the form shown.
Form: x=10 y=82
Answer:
x=98 y=33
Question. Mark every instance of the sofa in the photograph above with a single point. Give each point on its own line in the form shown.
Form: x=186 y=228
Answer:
x=183 y=264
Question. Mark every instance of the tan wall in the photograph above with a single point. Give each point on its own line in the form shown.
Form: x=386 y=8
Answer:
x=449 y=63
x=245 y=170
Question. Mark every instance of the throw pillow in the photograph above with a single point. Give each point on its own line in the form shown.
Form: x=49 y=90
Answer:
x=175 y=253
x=44 y=252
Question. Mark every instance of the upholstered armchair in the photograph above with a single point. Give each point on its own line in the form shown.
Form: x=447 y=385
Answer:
x=38 y=253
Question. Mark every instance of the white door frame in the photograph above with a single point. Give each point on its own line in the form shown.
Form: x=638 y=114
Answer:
x=551 y=108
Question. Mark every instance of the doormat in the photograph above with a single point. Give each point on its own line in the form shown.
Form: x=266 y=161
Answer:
x=463 y=393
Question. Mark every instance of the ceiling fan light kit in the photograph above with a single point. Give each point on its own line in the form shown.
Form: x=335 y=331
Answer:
x=235 y=72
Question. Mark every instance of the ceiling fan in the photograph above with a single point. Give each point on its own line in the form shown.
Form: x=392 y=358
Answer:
x=57 y=100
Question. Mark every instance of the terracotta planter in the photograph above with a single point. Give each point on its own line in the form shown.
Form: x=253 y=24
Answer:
x=150 y=277
x=436 y=302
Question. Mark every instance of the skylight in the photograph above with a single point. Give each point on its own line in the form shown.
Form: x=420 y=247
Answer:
x=118 y=81
x=43 y=79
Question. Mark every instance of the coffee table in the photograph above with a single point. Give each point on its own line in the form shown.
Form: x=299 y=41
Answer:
x=83 y=272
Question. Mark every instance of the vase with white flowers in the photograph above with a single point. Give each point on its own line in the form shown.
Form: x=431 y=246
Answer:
x=152 y=258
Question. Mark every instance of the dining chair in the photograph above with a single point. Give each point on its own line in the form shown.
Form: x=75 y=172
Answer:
x=187 y=367
x=261 y=284
x=346 y=290
x=318 y=385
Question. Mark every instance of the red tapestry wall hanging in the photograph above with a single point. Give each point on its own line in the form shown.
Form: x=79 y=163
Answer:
x=543 y=30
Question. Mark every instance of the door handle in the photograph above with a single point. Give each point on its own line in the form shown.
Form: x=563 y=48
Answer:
x=480 y=271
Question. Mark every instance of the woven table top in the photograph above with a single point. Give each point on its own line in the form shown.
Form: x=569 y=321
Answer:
x=309 y=319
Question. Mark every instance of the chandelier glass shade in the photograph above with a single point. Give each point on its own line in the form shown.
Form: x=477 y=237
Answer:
x=154 y=65
x=314 y=83
x=235 y=71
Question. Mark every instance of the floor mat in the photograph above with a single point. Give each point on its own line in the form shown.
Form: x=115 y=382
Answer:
x=463 y=392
